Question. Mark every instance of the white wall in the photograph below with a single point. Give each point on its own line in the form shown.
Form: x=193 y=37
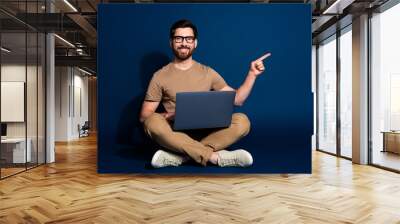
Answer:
x=61 y=103
x=81 y=103
x=17 y=72
x=71 y=92
x=13 y=72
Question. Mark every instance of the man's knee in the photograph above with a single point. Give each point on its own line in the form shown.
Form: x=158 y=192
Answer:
x=242 y=122
x=153 y=124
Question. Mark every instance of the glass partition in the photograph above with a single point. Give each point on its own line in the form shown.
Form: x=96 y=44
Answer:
x=327 y=95
x=385 y=88
x=346 y=92
x=22 y=77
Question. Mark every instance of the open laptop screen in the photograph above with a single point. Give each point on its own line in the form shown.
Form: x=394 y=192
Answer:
x=197 y=110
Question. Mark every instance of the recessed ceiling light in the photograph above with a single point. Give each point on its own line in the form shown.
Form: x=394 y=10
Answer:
x=5 y=50
x=84 y=71
x=64 y=40
x=70 y=5
x=337 y=7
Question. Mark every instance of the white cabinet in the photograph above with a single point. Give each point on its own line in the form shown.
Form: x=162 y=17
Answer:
x=391 y=142
x=16 y=147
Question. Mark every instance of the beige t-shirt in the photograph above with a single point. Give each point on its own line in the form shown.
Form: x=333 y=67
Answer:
x=170 y=80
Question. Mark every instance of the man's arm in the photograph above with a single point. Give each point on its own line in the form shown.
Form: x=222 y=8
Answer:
x=148 y=108
x=256 y=68
x=243 y=91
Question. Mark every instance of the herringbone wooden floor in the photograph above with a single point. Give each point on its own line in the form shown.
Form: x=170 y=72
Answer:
x=70 y=191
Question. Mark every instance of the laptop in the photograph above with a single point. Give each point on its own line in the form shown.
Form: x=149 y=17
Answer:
x=199 y=110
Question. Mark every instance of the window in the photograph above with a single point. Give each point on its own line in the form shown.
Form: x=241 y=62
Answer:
x=385 y=88
x=327 y=95
x=346 y=92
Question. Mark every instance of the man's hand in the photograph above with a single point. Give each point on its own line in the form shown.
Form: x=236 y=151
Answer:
x=257 y=66
x=169 y=116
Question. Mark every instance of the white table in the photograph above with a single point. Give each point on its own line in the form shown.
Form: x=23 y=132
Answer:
x=18 y=149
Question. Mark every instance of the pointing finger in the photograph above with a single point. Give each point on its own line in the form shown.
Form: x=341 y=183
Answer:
x=264 y=56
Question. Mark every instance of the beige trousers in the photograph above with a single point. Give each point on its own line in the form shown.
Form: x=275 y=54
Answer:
x=198 y=145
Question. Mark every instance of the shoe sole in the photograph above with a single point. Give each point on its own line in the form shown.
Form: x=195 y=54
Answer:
x=155 y=158
x=157 y=155
x=250 y=156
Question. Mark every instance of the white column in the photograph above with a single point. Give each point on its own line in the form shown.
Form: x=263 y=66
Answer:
x=50 y=110
x=360 y=90
x=50 y=92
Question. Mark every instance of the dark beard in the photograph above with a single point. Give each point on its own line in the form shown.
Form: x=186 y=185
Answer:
x=183 y=57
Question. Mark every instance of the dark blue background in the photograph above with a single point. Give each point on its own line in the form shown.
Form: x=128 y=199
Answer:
x=133 y=43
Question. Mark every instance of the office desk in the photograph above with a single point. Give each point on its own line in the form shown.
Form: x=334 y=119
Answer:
x=391 y=141
x=13 y=150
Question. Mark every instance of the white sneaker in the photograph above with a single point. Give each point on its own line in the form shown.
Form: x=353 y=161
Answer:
x=163 y=158
x=238 y=157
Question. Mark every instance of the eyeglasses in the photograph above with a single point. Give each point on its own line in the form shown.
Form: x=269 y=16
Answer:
x=179 y=39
